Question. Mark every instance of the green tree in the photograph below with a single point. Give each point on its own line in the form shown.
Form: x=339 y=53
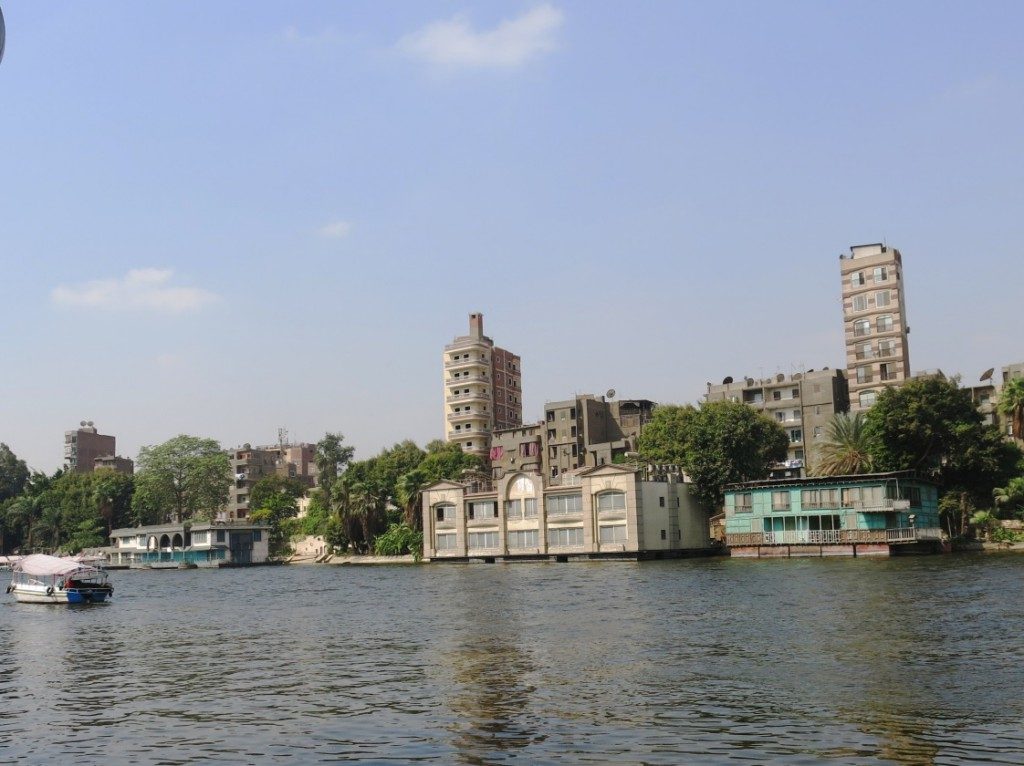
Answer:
x=398 y=540
x=718 y=443
x=275 y=509
x=984 y=522
x=184 y=478
x=1011 y=497
x=13 y=474
x=848 y=449
x=268 y=486
x=1011 y=404
x=332 y=457
x=930 y=425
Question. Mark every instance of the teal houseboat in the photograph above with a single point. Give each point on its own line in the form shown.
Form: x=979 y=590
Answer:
x=875 y=514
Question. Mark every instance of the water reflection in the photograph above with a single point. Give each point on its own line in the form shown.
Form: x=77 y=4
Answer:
x=701 y=662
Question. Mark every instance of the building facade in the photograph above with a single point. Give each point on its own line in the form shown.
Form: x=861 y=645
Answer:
x=83 y=445
x=482 y=389
x=802 y=403
x=607 y=511
x=203 y=544
x=859 y=515
x=250 y=464
x=583 y=432
x=114 y=463
x=874 y=321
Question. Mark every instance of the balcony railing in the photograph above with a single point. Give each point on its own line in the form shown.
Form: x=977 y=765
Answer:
x=467 y=362
x=469 y=434
x=836 y=536
x=466 y=397
x=458 y=417
x=467 y=379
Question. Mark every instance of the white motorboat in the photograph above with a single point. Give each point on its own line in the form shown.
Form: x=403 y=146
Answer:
x=41 y=579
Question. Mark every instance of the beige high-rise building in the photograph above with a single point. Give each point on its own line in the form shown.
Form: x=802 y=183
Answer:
x=482 y=389
x=875 y=322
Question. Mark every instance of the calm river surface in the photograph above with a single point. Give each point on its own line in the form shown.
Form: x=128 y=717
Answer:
x=911 y=661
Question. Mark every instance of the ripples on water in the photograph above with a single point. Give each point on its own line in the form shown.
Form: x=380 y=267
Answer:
x=903 y=661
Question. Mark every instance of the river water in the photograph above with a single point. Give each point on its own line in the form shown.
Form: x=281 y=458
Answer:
x=853 y=661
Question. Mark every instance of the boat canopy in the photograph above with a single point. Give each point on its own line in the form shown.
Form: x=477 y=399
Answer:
x=41 y=565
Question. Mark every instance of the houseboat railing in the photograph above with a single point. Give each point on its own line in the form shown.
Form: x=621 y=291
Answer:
x=835 y=536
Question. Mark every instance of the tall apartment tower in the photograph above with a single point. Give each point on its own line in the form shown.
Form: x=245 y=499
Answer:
x=875 y=322
x=83 y=445
x=483 y=389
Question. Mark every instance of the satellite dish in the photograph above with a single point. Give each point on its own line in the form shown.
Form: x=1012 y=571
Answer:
x=727 y=380
x=3 y=35
x=610 y=393
x=89 y=424
x=81 y=423
x=987 y=375
x=779 y=378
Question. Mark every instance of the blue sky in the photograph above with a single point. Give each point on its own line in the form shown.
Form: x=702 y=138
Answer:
x=223 y=218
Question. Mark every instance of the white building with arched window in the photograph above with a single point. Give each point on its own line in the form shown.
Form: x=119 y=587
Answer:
x=606 y=511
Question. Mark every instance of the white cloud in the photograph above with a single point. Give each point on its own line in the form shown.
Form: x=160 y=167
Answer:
x=138 y=290
x=336 y=230
x=511 y=44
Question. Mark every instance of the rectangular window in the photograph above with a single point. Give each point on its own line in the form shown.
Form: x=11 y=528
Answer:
x=796 y=436
x=818 y=432
x=860 y=303
x=867 y=398
x=880 y=274
x=819 y=498
x=882 y=298
x=864 y=374
x=857 y=278
x=612 y=534
x=560 y=505
x=661 y=502
x=862 y=327
x=780 y=416
x=611 y=501
x=445 y=513
x=887 y=371
x=887 y=348
x=257 y=535
x=884 y=323
x=445 y=541
x=524 y=538
x=864 y=351
x=780 y=501
x=483 y=539
x=565 y=536
x=744 y=502
x=514 y=509
x=483 y=509
x=530 y=508
x=776 y=395
x=220 y=535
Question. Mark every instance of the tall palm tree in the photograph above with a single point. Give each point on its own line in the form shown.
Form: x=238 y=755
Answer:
x=1011 y=404
x=847 y=449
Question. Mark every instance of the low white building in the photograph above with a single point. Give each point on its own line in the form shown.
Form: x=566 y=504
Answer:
x=205 y=544
x=606 y=511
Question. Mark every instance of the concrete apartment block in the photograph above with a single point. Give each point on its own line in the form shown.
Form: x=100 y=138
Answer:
x=802 y=403
x=875 y=321
x=483 y=389
x=250 y=464
x=83 y=445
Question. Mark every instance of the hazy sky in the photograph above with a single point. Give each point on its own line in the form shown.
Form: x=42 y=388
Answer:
x=221 y=218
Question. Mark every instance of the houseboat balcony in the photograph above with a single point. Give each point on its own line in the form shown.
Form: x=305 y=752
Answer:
x=835 y=536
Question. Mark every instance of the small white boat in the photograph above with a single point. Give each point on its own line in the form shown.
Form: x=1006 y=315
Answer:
x=41 y=579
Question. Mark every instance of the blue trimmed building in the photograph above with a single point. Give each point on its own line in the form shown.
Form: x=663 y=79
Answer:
x=876 y=514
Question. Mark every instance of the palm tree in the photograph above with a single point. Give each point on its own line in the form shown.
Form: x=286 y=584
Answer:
x=984 y=522
x=847 y=449
x=407 y=493
x=1011 y=404
x=1010 y=497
